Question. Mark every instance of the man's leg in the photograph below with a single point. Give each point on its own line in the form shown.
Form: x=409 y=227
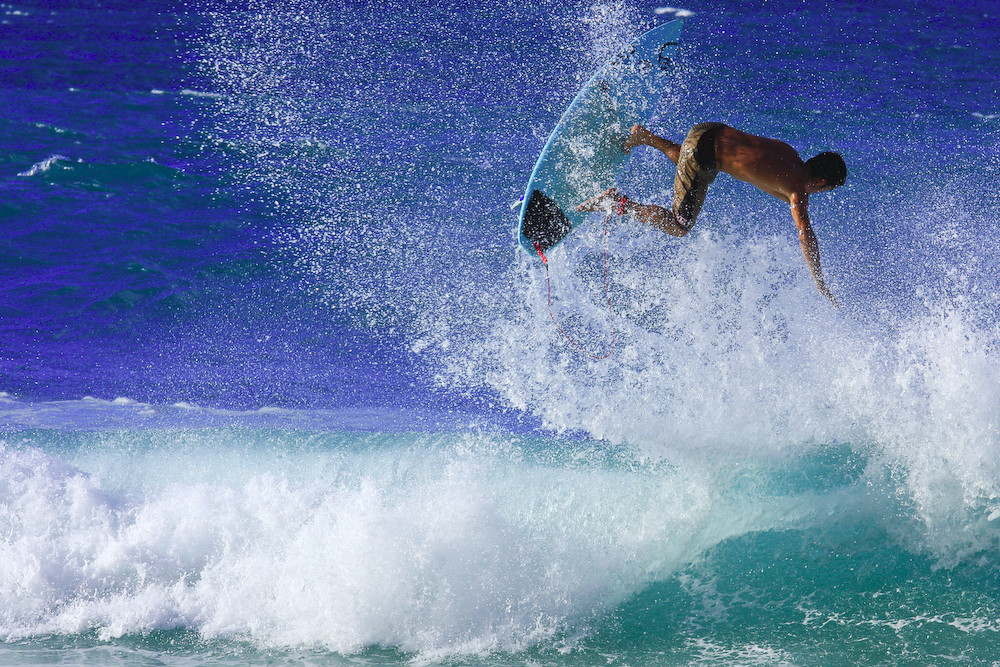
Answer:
x=649 y=214
x=640 y=136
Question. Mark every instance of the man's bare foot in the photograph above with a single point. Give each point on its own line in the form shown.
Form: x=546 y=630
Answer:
x=602 y=202
x=637 y=137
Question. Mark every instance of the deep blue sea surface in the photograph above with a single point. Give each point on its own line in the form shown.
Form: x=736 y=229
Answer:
x=278 y=387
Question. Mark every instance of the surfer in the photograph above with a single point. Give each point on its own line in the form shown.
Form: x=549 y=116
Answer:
x=771 y=165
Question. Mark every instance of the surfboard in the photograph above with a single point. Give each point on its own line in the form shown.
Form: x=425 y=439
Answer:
x=583 y=156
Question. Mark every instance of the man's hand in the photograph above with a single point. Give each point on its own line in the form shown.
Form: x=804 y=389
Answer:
x=825 y=291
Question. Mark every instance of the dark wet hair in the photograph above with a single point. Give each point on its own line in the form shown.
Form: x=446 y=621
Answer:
x=830 y=167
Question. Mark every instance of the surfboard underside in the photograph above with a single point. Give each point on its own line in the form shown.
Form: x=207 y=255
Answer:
x=584 y=154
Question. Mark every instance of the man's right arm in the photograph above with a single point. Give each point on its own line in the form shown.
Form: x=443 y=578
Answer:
x=810 y=246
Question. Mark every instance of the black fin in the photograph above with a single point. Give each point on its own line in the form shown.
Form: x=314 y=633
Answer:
x=544 y=222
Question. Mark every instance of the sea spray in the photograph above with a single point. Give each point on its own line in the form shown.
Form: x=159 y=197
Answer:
x=431 y=544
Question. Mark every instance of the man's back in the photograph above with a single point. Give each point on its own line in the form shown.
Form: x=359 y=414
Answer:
x=769 y=164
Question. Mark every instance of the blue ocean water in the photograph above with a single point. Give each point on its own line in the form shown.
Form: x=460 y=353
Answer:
x=277 y=386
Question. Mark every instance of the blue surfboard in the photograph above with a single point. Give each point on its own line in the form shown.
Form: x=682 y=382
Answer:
x=583 y=156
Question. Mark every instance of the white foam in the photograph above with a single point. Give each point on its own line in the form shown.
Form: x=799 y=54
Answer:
x=676 y=11
x=434 y=545
x=123 y=412
x=46 y=126
x=45 y=165
x=673 y=383
x=198 y=93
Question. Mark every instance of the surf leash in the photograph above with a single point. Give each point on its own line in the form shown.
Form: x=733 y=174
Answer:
x=607 y=297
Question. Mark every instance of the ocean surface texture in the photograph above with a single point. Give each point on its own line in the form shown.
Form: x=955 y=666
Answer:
x=278 y=387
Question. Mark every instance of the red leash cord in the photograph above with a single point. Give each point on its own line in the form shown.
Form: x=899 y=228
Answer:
x=607 y=296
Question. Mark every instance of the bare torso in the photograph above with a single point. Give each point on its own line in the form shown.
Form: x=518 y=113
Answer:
x=769 y=164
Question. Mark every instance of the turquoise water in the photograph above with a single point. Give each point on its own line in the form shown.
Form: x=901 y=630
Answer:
x=277 y=386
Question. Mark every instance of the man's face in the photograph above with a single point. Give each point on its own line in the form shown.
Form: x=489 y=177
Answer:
x=820 y=185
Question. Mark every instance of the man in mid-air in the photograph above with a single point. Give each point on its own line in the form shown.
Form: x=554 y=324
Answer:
x=769 y=164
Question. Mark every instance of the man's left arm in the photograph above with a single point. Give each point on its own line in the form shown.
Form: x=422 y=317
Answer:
x=810 y=247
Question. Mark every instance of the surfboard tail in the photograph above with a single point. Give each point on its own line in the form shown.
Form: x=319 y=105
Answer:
x=545 y=224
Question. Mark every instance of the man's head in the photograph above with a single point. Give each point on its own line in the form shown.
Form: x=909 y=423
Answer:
x=828 y=166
